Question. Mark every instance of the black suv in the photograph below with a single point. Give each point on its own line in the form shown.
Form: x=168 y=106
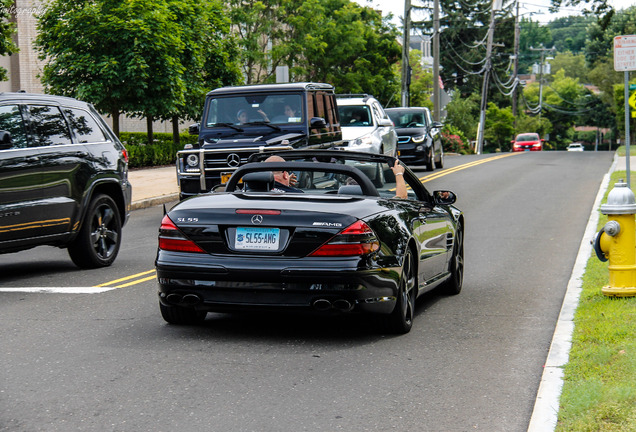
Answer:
x=240 y=121
x=63 y=178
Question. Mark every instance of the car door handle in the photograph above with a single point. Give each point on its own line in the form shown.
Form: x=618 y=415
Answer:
x=33 y=159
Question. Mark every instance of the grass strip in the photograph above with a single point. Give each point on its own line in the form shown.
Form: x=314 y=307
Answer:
x=599 y=388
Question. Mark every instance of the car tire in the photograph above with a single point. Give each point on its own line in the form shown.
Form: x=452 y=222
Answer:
x=440 y=164
x=430 y=164
x=181 y=315
x=97 y=243
x=454 y=283
x=401 y=319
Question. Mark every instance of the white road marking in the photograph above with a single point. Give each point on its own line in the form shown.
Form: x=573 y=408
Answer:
x=58 y=290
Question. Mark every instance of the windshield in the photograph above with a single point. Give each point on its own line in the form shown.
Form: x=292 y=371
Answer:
x=355 y=116
x=407 y=119
x=326 y=182
x=255 y=109
x=528 y=137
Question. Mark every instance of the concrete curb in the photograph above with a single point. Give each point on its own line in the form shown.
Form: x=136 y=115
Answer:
x=151 y=202
x=546 y=407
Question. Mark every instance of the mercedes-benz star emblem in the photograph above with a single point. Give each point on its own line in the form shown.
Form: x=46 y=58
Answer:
x=257 y=219
x=233 y=160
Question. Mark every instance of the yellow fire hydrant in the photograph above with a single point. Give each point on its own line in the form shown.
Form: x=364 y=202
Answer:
x=617 y=241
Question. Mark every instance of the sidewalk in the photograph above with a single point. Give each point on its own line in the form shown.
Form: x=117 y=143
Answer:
x=153 y=186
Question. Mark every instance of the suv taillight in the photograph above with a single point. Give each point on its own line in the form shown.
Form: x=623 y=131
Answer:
x=357 y=239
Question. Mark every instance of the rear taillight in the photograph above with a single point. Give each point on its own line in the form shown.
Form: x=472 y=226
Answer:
x=171 y=239
x=356 y=239
x=124 y=153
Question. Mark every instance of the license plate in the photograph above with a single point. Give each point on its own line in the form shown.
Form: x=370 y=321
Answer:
x=225 y=176
x=257 y=238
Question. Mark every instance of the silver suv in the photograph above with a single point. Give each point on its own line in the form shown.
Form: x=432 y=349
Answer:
x=365 y=125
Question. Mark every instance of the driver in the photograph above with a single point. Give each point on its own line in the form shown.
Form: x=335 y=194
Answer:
x=282 y=179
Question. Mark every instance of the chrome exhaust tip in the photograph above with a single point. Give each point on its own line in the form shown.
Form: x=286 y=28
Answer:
x=174 y=298
x=190 y=299
x=343 y=305
x=322 y=304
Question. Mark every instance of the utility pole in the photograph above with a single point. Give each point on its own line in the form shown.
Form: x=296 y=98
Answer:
x=436 y=90
x=541 y=67
x=484 y=88
x=516 y=67
x=406 y=68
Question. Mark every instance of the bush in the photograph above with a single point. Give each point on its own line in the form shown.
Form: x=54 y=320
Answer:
x=162 y=151
x=454 y=141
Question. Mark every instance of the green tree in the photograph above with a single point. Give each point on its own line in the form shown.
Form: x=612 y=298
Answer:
x=333 y=41
x=350 y=46
x=569 y=33
x=128 y=57
x=499 y=129
x=7 y=29
x=463 y=113
x=121 y=56
x=572 y=65
x=421 y=89
x=210 y=56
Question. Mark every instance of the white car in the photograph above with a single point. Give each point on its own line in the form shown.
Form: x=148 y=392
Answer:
x=575 y=147
x=365 y=125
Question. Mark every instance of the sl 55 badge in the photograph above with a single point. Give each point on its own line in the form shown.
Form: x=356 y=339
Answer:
x=190 y=219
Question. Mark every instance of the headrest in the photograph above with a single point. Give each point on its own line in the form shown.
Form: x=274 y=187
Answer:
x=350 y=190
x=262 y=181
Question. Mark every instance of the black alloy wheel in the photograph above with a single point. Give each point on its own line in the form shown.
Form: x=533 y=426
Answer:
x=97 y=243
x=181 y=315
x=453 y=285
x=430 y=164
x=401 y=319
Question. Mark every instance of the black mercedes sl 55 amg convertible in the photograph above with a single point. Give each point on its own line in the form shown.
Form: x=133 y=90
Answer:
x=337 y=240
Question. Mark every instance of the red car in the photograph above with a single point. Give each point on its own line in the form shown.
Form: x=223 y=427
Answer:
x=527 y=142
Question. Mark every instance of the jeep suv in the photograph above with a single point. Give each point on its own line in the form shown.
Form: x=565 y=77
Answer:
x=240 y=121
x=365 y=125
x=63 y=179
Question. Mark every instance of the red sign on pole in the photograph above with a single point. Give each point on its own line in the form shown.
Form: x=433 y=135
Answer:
x=625 y=53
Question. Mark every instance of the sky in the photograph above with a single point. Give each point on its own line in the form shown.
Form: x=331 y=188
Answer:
x=535 y=8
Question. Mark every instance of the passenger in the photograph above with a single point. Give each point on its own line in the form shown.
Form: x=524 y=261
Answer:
x=400 y=184
x=283 y=179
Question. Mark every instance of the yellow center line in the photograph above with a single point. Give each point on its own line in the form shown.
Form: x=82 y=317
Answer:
x=462 y=167
x=154 y=276
x=129 y=278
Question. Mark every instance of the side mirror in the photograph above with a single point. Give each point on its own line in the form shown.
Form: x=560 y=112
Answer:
x=6 y=142
x=444 y=197
x=437 y=125
x=194 y=129
x=385 y=122
x=317 y=123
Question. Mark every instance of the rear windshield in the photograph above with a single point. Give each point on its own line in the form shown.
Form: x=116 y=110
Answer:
x=312 y=182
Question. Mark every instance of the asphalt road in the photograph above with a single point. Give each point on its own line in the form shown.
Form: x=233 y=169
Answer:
x=106 y=361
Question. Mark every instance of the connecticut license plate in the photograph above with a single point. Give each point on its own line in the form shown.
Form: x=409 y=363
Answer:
x=257 y=238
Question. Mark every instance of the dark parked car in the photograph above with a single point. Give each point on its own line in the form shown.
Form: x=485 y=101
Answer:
x=63 y=178
x=342 y=242
x=419 y=139
x=239 y=121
